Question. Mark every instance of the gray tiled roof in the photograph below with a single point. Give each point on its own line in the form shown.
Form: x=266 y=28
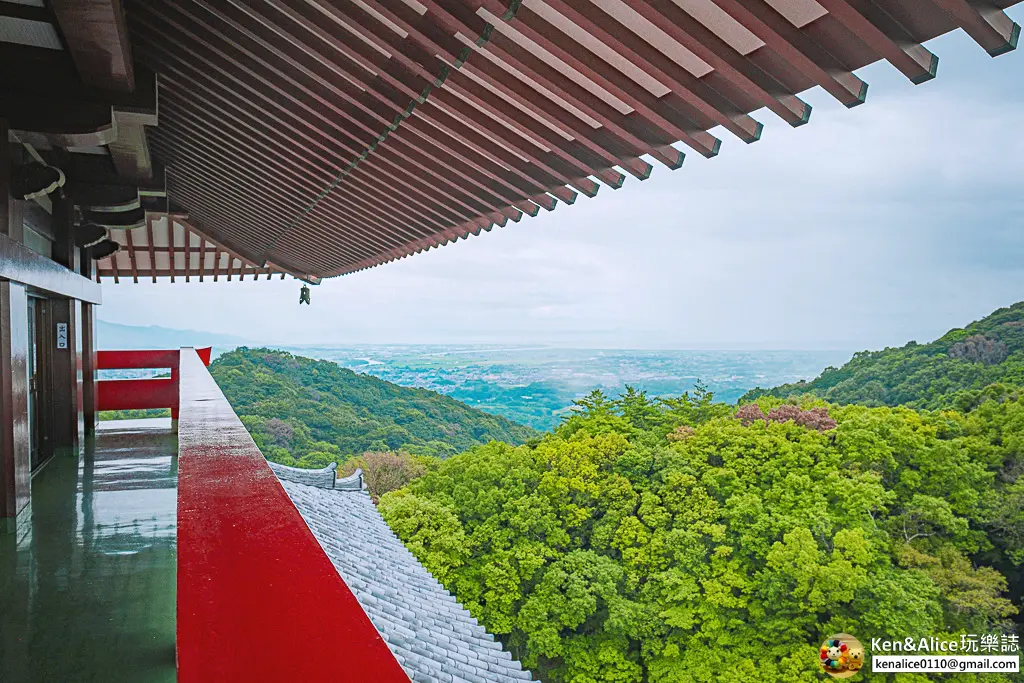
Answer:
x=434 y=638
x=324 y=478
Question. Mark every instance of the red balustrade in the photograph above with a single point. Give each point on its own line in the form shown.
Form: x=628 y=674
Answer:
x=141 y=394
x=258 y=599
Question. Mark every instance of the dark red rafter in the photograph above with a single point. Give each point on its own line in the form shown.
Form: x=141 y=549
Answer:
x=654 y=113
x=216 y=263
x=396 y=93
x=188 y=252
x=694 y=98
x=202 y=256
x=588 y=155
x=409 y=78
x=285 y=150
x=430 y=36
x=352 y=150
x=482 y=104
x=914 y=60
x=989 y=27
x=241 y=140
x=797 y=48
x=344 y=89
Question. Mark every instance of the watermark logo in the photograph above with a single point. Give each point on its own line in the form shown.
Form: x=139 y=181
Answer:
x=841 y=656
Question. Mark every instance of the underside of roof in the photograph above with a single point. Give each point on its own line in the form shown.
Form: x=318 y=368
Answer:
x=322 y=137
x=167 y=246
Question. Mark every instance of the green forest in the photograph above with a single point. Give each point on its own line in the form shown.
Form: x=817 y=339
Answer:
x=685 y=540
x=309 y=413
x=669 y=540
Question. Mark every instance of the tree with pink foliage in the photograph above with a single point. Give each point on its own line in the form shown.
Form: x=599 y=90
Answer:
x=785 y=413
x=813 y=418
x=817 y=418
x=750 y=413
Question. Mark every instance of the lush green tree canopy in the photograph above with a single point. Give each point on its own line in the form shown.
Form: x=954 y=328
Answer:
x=667 y=541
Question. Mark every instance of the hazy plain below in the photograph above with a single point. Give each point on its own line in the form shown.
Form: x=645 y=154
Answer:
x=535 y=385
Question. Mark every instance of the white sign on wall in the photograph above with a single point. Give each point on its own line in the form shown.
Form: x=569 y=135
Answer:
x=62 y=335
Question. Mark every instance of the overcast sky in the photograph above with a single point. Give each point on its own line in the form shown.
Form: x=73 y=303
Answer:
x=868 y=227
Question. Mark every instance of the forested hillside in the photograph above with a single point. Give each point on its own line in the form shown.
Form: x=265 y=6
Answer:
x=953 y=371
x=671 y=541
x=310 y=413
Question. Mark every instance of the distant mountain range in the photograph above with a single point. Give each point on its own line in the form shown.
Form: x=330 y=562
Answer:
x=113 y=336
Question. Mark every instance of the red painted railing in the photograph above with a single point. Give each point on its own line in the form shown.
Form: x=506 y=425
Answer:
x=258 y=599
x=139 y=394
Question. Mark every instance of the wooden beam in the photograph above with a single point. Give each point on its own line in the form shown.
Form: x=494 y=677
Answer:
x=202 y=257
x=733 y=67
x=172 y=261
x=98 y=197
x=49 y=121
x=131 y=257
x=97 y=38
x=132 y=218
x=219 y=244
x=109 y=272
x=130 y=152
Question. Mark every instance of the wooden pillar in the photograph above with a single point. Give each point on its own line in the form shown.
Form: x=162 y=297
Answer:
x=14 y=433
x=6 y=201
x=88 y=359
x=68 y=421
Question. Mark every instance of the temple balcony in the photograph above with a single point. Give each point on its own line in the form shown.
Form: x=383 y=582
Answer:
x=169 y=549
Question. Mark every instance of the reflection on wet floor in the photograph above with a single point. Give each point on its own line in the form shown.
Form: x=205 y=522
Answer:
x=87 y=587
